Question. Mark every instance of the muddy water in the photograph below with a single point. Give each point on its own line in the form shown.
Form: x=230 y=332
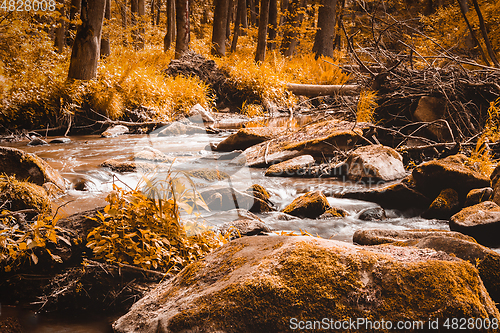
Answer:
x=79 y=161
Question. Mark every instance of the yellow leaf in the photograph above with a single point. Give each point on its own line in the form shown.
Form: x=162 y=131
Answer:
x=23 y=246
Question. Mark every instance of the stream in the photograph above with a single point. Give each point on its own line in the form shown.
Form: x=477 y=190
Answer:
x=79 y=160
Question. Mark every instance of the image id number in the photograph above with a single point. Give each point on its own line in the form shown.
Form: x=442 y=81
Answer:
x=28 y=5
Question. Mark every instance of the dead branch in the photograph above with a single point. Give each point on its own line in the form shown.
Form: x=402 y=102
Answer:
x=323 y=90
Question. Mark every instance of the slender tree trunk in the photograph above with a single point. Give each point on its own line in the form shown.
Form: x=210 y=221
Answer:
x=284 y=9
x=122 y=4
x=134 y=9
x=241 y=10
x=491 y=53
x=60 y=32
x=464 y=8
x=170 y=35
x=141 y=7
x=105 y=45
x=292 y=24
x=260 y=54
x=230 y=10
x=85 y=53
x=158 y=11
x=253 y=12
x=323 y=42
x=183 y=29
x=273 y=24
x=338 y=21
x=244 y=20
x=74 y=10
x=219 y=28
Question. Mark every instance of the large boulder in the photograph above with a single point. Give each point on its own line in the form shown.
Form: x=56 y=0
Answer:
x=401 y=195
x=269 y=284
x=481 y=221
x=291 y=168
x=17 y=195
x=321 y=139
x=28 y=167
x=479 y=195
x=311 y=205
x=384 y=236
x=451 y=172
x=444 y=206
x=247 y=137
x=375 y=161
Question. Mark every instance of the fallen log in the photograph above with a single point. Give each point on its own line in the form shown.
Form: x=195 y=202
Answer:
x=323 y=90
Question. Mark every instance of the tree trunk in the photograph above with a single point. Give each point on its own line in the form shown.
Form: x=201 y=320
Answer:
x=183 y=29
x=158 y=11
x=244 y=20
x=230 y=10
x=60 y=33
x=253 y=18
x=464 y=8
x=170 y=35
x=273 y=24
x=141 y=7
x=293 y=21
x=241 y=11
x=134 y=4
x=491 y=53
x=323 y=41
x=105 y=45
x=74 y=10
x=260 y=54
x=123 y=13
x=85 y=53
x=338 y=21
x=219 y=28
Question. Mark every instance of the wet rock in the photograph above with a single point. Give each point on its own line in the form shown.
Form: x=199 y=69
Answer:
x=24 y=166
x=152 y=155
x=128 y=166
x=270 y=159
x=263 y=204
x=311 y=205
x=384 y=236
x=198 y=114
x=444 y=206
x=247 y=224
x=178 y=128
x=230 y=156
x=451 y=172
x=20 y=195
x=495 y=184
x=248 y=277
x=375 y=161
x=478 y=195
x=60 y=140
x=230 y=198
x=334 y=212
x=211 y=175
x=247 y=137
x=322 y=139
x=291 y=168
x=401 y=195
x=114 y=131
x=37 y=142
x=372 y=214
x=481 y=221
x=430 y=109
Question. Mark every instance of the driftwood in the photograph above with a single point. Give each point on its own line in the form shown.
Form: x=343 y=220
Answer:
x=323 y=90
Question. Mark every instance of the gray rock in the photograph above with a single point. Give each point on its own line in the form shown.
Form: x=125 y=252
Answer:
x=114 y=131
x=178 y=128
x=375 y=161
x=481 y=221
x=291 y=168
x=372 y=214
x=60 y=140
x=37 y=142
x=198 y=114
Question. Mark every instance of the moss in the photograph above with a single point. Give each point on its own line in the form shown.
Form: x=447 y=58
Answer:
x=335 y=212
x=489 y=269
x=259 y=191
x=23 y=195
x=311 y=204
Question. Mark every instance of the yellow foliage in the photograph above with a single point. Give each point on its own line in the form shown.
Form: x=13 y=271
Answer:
x=366 y=106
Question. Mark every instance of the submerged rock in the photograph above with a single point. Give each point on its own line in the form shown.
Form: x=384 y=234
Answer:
x=311 y=205
x=478 y=195
x=29 y=167
x=334 y=212
x=152 y=155
x=37 y=142
x=247 y=137
x=178 y=128
x=211 y=175
x=60 y=140
x=481 y=221
x=114 y=131
x=375 y=161
x=291 y=168
x=444 y=206
x=128 y=166
x=451 y=172
x=259 y=284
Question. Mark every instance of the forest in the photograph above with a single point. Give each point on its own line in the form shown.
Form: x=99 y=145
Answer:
x=249 y=166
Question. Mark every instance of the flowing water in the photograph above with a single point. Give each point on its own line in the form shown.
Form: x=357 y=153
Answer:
x=79 y=160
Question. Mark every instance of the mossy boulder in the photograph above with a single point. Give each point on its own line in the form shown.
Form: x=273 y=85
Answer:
x=227 y=198
x=28 y=167
x=451 y=172
x=321 y=139
x=295 y=167
x=481 y=221
x=247 y=137
x=401 y=195
x=478 y=195
x=375 y=161
x=334 y=212
x=261 y=204
x=311 y=205
x=444 y=206
x=258 y=284
x=23 y=195
x=385 y=236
